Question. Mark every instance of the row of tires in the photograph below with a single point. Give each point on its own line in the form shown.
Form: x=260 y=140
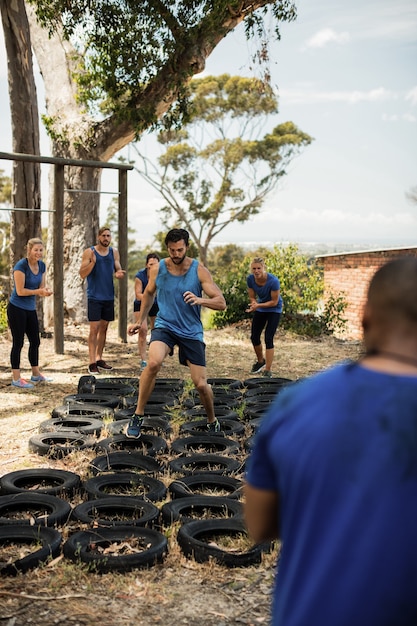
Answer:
x=30 y=505
x=143 y=547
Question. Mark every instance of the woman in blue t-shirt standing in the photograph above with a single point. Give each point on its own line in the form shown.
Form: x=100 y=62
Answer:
x=29 y=281
x=141 y=280
x=266 y=306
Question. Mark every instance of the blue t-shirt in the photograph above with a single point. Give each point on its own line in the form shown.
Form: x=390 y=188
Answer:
x=100 y=284
x=143 y=277
x=340 y=449
x=32 y=281
x=263 y=292
x=174 y=314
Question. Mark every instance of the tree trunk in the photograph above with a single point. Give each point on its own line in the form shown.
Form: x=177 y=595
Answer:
x=25 y=127
x=81 y=212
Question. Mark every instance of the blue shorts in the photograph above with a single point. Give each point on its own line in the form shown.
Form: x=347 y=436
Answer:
x=152 y=311
x=100 y=310
x=189 y=350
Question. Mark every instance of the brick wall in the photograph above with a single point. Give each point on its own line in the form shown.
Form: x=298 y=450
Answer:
x=350 y=273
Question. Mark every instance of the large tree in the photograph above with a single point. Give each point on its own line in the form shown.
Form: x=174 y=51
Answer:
x=219 y=168
x=113 y=68
x=25 y=128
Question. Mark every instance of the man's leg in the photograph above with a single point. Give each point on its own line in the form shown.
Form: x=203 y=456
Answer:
x=101 y=339
x=142 y=341
x=92 y=341
x=157 y=353
x=199 y=378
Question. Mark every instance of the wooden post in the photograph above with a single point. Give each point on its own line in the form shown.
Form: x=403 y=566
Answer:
x=123 y=245
x=58 y=257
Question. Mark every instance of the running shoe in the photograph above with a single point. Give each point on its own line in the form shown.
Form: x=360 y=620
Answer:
x=213 y=427
x=134 y=427
x=22 y=384
x=102 y=365
x=258 y=367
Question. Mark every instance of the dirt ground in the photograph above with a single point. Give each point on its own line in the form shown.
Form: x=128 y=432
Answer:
x=178 y=591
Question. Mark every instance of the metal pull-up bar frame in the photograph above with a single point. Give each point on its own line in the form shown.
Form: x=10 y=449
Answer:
x=58 y=234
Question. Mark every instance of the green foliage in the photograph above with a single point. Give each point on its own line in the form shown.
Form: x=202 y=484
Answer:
x=217 y=170
x=123 y=46
x=302 y=287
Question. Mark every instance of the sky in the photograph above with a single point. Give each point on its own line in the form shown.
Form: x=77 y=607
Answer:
x=346 y=74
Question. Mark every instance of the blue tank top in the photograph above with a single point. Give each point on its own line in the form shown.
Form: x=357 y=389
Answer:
x=100 y=281
x=174 y=314
x=32 y=281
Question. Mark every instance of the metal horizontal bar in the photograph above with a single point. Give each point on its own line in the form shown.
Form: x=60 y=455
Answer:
x=16 y=156
x=113 y=193
x=23 y=209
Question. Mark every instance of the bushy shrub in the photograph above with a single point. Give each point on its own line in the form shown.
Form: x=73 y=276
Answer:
x=302 y=288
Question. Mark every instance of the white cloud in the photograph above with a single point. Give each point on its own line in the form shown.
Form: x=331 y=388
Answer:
x=326 y=36
x=412 y=96
x=305 y=96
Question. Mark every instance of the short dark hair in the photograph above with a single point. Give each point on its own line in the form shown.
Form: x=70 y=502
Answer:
x=152 y=255
x=392 y=291
x=176 y=234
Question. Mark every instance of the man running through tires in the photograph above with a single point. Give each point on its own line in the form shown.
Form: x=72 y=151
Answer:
x=180 y=282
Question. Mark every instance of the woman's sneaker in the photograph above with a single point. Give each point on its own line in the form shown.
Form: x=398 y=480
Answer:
x=258 y=367
x=22 y=384
x=134 y=427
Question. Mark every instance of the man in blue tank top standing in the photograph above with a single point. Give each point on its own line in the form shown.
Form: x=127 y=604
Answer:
x=98 y=264
x=180 y=282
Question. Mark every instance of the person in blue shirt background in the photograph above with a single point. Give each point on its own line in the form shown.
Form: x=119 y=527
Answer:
x=29 y=282
x=141 y=280
x=265 y=302
x=98 y=264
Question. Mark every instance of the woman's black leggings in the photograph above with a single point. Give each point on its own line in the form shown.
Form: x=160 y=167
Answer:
x=269 y=321
x=23 y=322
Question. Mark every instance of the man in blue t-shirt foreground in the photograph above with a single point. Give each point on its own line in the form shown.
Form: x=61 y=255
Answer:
x=180 y=282
x=333 y=474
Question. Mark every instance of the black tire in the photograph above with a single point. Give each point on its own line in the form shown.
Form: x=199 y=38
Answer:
x=225 y=383
x=260 y=398
x=206 y=507
x=256 y=412
x=194 y=540
x=103 y=400
x=82 y=546
x=194 y=484
x=249 y=443
x=255 y=423
x=49 y=538
x=42 y=509
x=58 y=445
x=107 y=512
x=196 y=463
x=130 y=402
x=83 y=425
x=157 y=424
x=250 y=383
x=110 y=484
x=124 y=461
x=54 y=482
x=221 y=413
x=197 y=443
x=228 y=427
x=82 y=410
x=147 y=444
x=114 y=386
